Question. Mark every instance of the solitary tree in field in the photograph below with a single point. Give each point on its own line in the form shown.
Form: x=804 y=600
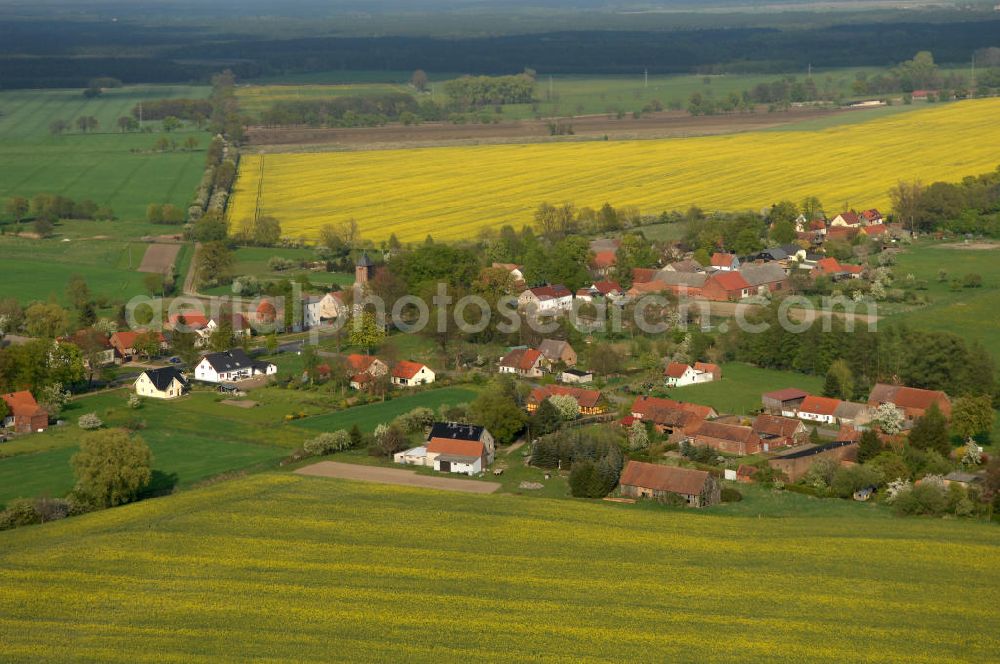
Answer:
x=87 y=123
x=127 y=123
x=57 y=127
x=111 y=467
x=419 y=80
x=170 y=123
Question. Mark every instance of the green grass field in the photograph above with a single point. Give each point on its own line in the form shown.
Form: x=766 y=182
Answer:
x=368 y=417
x=253 y=261
x=741 y=386
x=37 y=269
x=281 y=567
x=106 y=166
x=192 y=439
x=557 y=95
x=972 y=313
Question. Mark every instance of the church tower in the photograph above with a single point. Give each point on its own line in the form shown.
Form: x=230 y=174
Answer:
x=364 y=270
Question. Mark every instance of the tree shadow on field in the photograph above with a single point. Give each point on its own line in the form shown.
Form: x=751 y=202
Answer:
x=161 y=484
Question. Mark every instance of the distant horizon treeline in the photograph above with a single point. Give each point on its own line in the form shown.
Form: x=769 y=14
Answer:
x=186 y=56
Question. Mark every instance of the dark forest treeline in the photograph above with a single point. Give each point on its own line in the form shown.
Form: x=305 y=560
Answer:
x=341 y=111
x=194 y=55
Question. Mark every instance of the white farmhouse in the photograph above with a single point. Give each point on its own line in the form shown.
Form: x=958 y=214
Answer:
x=230 y=366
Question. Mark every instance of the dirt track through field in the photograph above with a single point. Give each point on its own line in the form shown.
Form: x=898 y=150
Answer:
x=159 y=258
x=591 y=127
x=349 y=471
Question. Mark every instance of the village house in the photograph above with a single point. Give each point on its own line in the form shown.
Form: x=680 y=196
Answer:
x=853 y=414
x=784 y=402
x=516 y=272
x=524 y=362
x=678 y=375
x=911 y=401
x=728 y=438
x=557 y=352
x=775 y=431
x=204 y=327
x=848 y=219
x=546 y=299
x=818 y=409
x=658 y=482
x=687 y=265
x=674 y=418
x=794 y=464
x=231 y=366
x=408 y=374
x=643 y=275
x=317 y=310
x=871 y=217
x=590 y=402
x=603 y=262
x=726 y=287
x=725 y=262
x=843 y=233
x=163 y=383
x=95 y=345
x=24 y=414
x=765 y=278
x=576 y=376
x=124 y=343
x=831 y=267
x=771 y=255
x=363 y=369
x=452 y=447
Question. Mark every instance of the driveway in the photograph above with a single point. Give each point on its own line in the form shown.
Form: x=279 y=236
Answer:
x=350 y=471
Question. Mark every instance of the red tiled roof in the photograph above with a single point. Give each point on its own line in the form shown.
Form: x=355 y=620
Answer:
x=787 y=394
x=850 y=217
x=604 y=259
x=773 y=425
x=522 y=359
x=730 y=281
x=586 y=398
x=22 y=404
x=851 y=269
x=707 y=367
x=910 y=399
x=723 y=431
x=664 y=478
x=360 y=363
x=877 y=229
x=723 y=260
x=675 y=370
x=669 y=412
x=605 y=287
x=642 y=275
x=828 y=265
x=127 y=339
x=192 y=319
x=817 y=225
x=551 y=292
x=406 y=369
x=467 y=448
x=819 y=405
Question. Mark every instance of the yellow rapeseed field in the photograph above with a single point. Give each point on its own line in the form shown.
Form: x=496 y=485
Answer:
x=284 y=568
x=452 y=192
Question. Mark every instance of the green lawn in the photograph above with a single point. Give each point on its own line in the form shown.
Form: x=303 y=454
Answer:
x=972 y=313
x=192 y=439
x=253 y=261
x=106 y=166
x=278 y=566
x=368 y=417
x=741 y=386
x=40 y=269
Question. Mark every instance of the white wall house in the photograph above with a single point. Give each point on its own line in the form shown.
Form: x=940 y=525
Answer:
x=546 y=299
x=165 y=383
x=409 y=374
x=231 y=366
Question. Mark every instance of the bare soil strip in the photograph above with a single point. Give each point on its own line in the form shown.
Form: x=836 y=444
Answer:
x=159 y=258
x=667 y=124
x=349 y=471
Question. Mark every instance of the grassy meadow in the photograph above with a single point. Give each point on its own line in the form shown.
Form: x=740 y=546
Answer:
x=972 y=313
x=742 y=384
x=254 y=261
x=370 y=416
x=558 y=95
x=109 y=167
x=454 y=192
x=278 y=566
